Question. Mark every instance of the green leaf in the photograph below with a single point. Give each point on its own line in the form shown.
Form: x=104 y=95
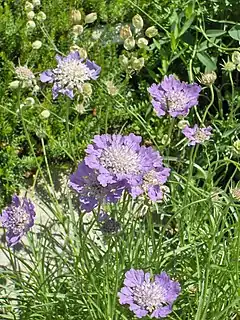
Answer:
x=207 y=61
x=186 y=25
x=215 y=33
x=234 y=32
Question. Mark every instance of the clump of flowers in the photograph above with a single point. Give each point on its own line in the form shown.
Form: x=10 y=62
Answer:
x=71 y=73
x=174 y=97
x=196 y=135
x=91 y=192
x=148 y=295
x=18 y=218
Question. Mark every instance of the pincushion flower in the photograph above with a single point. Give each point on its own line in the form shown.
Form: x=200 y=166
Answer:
x=173 y=96
x=117 y=158
x=18 y=218
x=197 y=135
x=71 y=73
x=91 y=192
x=149 y=296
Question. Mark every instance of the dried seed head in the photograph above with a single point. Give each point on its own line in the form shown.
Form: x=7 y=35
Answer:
x=151 y=32
x=30 y=15
x=125 y=32
x=236 y=57
x=142 y=43
x=137 y=64
x=77 y=29
x=208 y=78
x=28 y=6
x=76 y=16
x=129 y=43
x=111 y=88
x=91 y=17
x=41 y=16
x=137 y=22
x=123 y=60
x=31 y=25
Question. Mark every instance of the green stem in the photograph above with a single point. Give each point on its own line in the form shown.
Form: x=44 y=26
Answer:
x=210 y=104
x=233 y=92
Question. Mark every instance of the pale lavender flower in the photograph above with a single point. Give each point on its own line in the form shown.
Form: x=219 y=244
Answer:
x=197 y=135
x=117 y=158
x=91 y=192
x=173 y=96
x=71 y=72
x=149 y=296
x=18 y=218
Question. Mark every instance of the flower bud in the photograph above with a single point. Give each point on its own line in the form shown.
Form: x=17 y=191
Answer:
x=36 y=3
x=182 y=124
x=36 y=45
x=36 y=89
x=229 y=66
x=80 y=108
x=137 y=21
x=29 y=101
x=236 y=145
x=129 y=43
x=236 y=57
x=30 y=15
x=137 y=64
x=236 y=193
x=14 y=84
x=125 y=32
x=111 y=88
x=208 y=78
x=83 y=53
x=41 y=16
x=78 y=29
x=151 y=32
x=28 y=6
x=45 y=114
x=165 y=140
x=91 y=17
x=123 y=60
x=31 y=25
x=87 y=89
x=142 y=43
x=76 y=16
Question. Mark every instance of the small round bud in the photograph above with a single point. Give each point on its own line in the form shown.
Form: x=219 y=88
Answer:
x=151 y=32
x=36 y=3
x=78 y=29
x=165 y=140
x=142 y=43
x=123 y=60
x=36 y=89
x=129 y=43
x=91 y=17
x=236 y=145
x=137 y=21
x=125 y=32
x=208 y=78
x=36 y=45
x=76 y=16
x=229 y=66
x=30 y=15
x=111 y=88
x=41 y=16
x=87 y=89
x=182 y=124
x=45 y=114
x=236 y=57
x=31 y=25
x=29 y=101
x=14 y=84
x=137 y=64
x=28 y=6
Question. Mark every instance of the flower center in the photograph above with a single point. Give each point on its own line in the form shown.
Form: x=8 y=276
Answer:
x=72 y=74
x=200 y=136
x=120 y=160
x=176 y=101
x=18 y=220
x=149 y=295
x=150 y=179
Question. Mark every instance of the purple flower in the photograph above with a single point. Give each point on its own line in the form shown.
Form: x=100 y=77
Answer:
x=117 y=158
x=18 y=218
x=91 y=192
x=71 y=72
x=197 y=135
x=149 y=296
x=173 y=96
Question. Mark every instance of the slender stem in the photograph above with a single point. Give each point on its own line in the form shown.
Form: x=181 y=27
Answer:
x=210 y=104
x=68 y=131
x=233 y=93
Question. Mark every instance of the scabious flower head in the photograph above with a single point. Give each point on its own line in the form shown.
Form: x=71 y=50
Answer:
x=236 y=193
x=25 y=76
x=118 y=158
x=18 y=218
x=173 y=96
x=91 y=192
x=197 y=135
x=71 y=72
x=149 y=296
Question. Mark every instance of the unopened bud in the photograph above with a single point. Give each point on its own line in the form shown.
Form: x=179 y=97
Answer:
x=78 y=29
x=151 y=32
x=123 y=60
x=165 y=140
x=87 y=89
x=83 y=53
x=45 y=114
x=137 y=21
x=36 y=3
x=30 y=15
x=29 y=101
x=41 y=16
x=76 y=16
x=36 y=45
x=91 y=17
x=208 y=78
x=129 y=43
x=229 y=66
x=14 y=84
x=182 y=124
x=236 y=57
x=142 y=43
x=28 y=6
x=236 y=193
x=31 y=25
x=125 y=32
x=236 y=145
x=137 y=64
